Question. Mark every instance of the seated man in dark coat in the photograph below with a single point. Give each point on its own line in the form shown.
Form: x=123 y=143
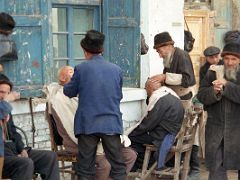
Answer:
x=164 y=117
x=21 y=163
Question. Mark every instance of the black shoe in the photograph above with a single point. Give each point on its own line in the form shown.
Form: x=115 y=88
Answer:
x=194 y=175
x=84 y=178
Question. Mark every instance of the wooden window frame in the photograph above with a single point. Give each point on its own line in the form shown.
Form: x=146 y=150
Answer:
x=70 y=32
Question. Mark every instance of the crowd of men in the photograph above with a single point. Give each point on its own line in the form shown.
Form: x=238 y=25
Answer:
x=86 y=103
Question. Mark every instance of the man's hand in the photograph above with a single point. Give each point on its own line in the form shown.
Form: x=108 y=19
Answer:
x=218 y=85
x=158 y=78
x=12 y=96
x=6 y=118
x=23 y=154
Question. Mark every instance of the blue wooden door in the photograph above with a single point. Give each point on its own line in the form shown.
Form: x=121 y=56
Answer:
x=121 y=24
x=30 y=35
x=223 y=20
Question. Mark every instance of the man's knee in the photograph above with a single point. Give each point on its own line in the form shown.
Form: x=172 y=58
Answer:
x=27 y=164
x=102 y=163
x=130 y=157
x=50 y=157
x=103 y=167
x=18 y=168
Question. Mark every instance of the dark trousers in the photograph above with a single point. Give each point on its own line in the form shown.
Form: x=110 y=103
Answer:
x=137 y=143
x=194 y=160
x=194 y=173
x=219 y=172
x=87 y=146
x=43 y=162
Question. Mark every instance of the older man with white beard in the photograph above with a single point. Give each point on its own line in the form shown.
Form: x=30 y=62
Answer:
x=221 y=96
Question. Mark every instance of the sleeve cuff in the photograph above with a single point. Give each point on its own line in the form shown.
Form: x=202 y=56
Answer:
x=173 y=79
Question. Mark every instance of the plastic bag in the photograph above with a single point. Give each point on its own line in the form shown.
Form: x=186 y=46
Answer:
x=8 y=50
x=144 y=46
x=188 y=41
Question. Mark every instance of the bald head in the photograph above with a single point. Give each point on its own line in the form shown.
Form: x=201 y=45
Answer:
x=151 y=86
x=65 y=74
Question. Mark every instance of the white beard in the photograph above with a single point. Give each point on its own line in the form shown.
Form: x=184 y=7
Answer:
x=231 y=74
x=167 y=61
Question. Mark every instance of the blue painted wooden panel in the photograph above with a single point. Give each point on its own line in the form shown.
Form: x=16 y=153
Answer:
x=23 y=7
x=223 y=20
x=121 y=25
x=28 y=68
x=31 y=37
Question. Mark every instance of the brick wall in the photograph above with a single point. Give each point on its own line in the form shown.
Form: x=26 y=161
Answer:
x=42 y=138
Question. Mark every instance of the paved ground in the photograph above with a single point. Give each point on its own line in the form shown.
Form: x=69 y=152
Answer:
x=232 y=175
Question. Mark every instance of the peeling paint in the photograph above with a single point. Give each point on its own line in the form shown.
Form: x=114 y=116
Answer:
x=25 y=43
x=24 y=7
x=29 y=56
x=35 y=64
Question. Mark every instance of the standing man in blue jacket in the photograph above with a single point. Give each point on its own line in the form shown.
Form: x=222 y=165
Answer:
x=98 y=84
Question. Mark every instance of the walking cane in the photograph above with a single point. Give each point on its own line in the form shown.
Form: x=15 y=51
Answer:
x=32 y=119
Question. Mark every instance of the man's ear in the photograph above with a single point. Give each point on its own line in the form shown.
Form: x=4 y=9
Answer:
x=62 y=79
x=1 y=68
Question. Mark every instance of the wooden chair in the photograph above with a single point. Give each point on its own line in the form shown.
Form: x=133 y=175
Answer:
x=183 y=145
x=65 y=158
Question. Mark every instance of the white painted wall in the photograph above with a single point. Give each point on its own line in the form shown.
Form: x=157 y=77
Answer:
x=158 y=16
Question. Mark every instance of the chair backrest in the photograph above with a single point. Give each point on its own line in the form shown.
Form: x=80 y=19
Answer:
x=186 y=136
x=57 y=144
x=61 y=139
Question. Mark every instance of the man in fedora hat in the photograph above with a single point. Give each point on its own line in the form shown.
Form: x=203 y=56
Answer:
x=178 y=74
x=221 y=98
x=178 y=71
x=98 y=85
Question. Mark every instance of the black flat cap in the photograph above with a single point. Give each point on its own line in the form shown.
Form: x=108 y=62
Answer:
x=211 y=50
